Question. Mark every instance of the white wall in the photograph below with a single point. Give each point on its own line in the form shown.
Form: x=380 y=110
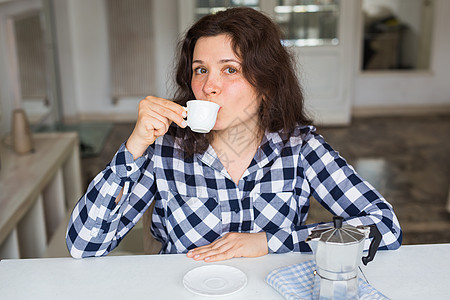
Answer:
x=412 y=88
x=9 y=92
x=165 y=15
x=88 y=32
x=82 y=34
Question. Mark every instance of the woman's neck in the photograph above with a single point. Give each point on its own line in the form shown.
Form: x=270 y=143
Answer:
x=238 y=136
x=236 y=146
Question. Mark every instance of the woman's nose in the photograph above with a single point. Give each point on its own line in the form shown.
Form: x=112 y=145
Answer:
x=212 y=86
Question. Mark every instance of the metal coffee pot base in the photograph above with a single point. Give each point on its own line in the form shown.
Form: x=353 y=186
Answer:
x=325 y=289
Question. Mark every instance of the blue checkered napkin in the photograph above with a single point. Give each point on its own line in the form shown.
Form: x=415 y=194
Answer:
x=295 y=282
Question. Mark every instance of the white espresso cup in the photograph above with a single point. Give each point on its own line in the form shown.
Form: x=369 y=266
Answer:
x=201 y=115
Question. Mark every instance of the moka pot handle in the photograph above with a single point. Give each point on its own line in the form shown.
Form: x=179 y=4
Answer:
x=376 y=235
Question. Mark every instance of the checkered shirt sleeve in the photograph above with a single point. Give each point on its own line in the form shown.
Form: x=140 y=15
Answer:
x=338 y=188
x=97 y=224
x=197 y=202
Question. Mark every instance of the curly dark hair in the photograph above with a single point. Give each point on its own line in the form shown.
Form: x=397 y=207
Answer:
x=266 y=64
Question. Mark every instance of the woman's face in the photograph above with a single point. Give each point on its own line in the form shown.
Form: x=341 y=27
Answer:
x=217 y=77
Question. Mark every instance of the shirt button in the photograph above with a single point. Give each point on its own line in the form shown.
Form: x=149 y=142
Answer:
x=94 y=232
x=129 y=168
x=236 y=210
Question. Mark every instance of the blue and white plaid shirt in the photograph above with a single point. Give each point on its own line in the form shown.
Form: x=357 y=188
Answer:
x=197 y=201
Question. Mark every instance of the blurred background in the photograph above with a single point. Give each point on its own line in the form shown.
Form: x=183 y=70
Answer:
x=375 y=75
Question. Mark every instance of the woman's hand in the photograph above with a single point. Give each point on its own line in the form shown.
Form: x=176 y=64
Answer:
x=154 y=118
x=233 y=244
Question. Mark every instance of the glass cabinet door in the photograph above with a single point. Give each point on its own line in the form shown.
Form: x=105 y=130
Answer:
x=308 y=22
x=206 y=7
x=303 y=22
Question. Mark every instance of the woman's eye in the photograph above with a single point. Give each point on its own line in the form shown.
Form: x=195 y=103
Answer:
x=230 y=70
x=200 y=70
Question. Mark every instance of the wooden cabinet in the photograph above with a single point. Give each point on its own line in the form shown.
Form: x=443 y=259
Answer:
x=36 y=190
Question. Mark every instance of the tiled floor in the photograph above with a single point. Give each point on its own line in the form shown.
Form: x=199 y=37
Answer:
x=406 y=158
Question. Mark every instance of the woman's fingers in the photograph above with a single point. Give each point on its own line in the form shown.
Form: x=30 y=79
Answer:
x=168 y=109
x=220 y=246
x=154 y=118
x=234 y=244
x=220 y=256
x=156 y=123
x=162 y=109
x=225 y=248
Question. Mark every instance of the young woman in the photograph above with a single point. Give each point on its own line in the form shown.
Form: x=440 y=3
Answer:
x=244 y=188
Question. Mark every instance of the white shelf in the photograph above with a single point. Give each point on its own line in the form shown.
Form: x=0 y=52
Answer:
x=36 y=191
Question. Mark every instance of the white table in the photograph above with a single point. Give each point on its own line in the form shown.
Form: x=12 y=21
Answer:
x=412 y=272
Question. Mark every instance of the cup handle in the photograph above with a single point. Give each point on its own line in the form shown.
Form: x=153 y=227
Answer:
x=186 y=110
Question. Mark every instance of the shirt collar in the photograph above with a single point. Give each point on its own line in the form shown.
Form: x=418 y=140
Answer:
x=270 y=148
x=210 y=158
x=272 y=145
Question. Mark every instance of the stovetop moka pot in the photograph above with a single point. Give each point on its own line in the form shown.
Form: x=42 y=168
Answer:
x=338 y=252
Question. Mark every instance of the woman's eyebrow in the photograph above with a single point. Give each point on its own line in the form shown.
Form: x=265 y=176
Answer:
x=222 y=61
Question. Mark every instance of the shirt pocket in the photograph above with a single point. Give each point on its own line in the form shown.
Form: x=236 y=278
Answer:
x=273 y=210
x=193 y=216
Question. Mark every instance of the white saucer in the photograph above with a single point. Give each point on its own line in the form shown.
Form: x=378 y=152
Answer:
x=215 y=280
